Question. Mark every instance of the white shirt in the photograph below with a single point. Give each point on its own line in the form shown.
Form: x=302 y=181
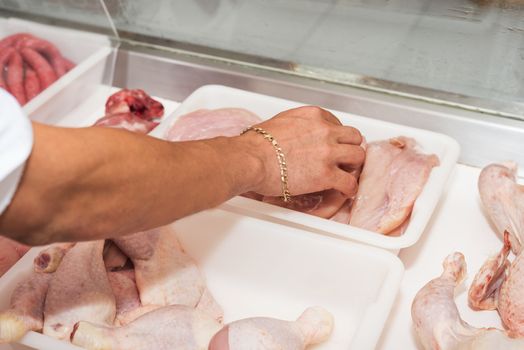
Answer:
x=16 y=142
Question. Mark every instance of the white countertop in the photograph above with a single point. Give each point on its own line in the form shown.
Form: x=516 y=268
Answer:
x=458 y=224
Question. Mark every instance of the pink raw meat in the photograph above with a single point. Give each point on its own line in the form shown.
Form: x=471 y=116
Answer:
x=135 y=102
x=205 y=124
x=323 y=204
x=127 y=121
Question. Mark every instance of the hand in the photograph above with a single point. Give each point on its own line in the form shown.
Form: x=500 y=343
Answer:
x=317 y=148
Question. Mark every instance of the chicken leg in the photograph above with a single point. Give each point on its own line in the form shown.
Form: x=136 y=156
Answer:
x=171 y=327
x=79 y=291
x=261 y=333
x=165 y=275
x=437 y=321
x=27 y=308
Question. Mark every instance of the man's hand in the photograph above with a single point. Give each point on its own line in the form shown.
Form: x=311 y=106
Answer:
x=316 y=147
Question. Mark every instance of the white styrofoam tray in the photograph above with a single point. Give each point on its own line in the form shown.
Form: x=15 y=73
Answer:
x=87 y=50
x=447 y=149
x=259 y=268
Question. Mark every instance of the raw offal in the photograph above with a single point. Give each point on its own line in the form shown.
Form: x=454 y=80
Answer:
x=137 y=102
x=127 y=121
x=132 y=110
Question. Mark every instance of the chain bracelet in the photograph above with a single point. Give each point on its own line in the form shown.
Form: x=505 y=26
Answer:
x=286 y=195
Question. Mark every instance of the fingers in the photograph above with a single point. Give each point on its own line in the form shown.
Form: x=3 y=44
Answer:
x=350 y=155
x=348 y=134
x=330 y=117
x=345 y=183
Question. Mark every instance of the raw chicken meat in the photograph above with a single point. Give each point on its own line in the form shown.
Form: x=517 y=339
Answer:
x=261 y=333
x=503 y=201
x=132 y=110
x=114 y=258
x=165 y=275
x=500 y=284
x=484 y=291
x=127 y=121
x=79 y=291
x=136 y=102
x=343 y=214
x=26 y=312
x=171 y=327
x=323 y=204
x=128 y=306
x=48 y=259
x=205 y=124
x=10 y=252
x=437 y=321
x=393 y=176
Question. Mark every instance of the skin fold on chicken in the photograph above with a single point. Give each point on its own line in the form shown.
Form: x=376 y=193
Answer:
x=128 y=306
x=437 y=321
x=164 y=274
x=170 y=327
x=79 y=291
x=26 y=312
x=314 y=326
x=393 y=176
x=500 y=284
x=114 y=258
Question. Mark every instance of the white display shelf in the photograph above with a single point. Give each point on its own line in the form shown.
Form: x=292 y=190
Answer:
x=457 y=225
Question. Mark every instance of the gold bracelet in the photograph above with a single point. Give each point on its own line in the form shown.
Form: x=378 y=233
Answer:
x=286 y=196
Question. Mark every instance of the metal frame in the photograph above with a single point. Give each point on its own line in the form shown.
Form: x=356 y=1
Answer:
x=483 y=138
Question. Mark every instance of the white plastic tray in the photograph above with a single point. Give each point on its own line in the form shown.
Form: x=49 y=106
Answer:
x=87 y=50
x=258 y=268
x=447 y=149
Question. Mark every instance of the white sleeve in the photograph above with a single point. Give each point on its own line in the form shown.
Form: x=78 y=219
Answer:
x=16 y=142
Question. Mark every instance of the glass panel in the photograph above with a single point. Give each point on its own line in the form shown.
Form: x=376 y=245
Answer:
x=462 y=47
x=87 y=12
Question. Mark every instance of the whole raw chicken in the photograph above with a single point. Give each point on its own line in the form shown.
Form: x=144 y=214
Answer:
x=437 y=321
x=500 y=284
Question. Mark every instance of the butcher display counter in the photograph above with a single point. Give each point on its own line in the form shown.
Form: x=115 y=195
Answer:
x=479 y=106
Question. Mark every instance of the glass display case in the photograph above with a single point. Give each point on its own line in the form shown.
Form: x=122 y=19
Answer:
x=453 y=67
x=464 y=53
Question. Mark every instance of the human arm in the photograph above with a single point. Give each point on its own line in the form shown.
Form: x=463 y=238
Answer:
x=92 y=183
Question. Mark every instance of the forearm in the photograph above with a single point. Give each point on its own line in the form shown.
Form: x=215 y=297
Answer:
x=82 y=184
